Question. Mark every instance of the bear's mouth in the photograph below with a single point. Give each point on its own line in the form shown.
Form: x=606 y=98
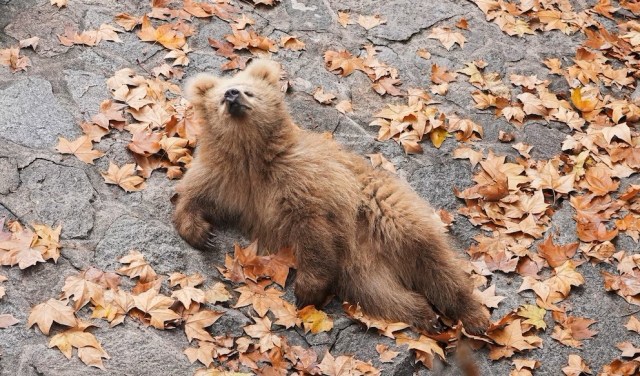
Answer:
x=236 y=109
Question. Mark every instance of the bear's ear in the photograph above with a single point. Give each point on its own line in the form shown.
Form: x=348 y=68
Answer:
x=197 y=86
x=264 y=69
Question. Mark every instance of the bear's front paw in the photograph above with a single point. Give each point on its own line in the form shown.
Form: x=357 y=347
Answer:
x=194 y=230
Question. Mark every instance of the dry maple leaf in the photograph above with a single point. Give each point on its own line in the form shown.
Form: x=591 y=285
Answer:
x=488 y=297
x=262 y=330
x=386 y=355
x=7 y=320
x=81 y=289
x=93 y=131
x=217 y=293
x=510 y=339
x=534 y=315
x=77 y=337
x=633 y=324
x=440 y=75
x=341 y=366
x=322 y=97
x=344 y=19
x=387 y=85
x=343 y=61
x=124 y=177
x=255 y=294
x=145 y=143
x=465 y=152
x=164 y=35
x=314 y=320
x=82 y=148
x=188 y=294
x=138 y=267
x=423 y=53
x=22 y=249
x=195 y=324
x=291 y=43
x=184 y=281
x=156 y=306
x=369 y=22
x=113 y=306
x=555 y=254
x=11 y=58
x=576 y=366
x=628 y=349
x=175 y=147
x=29 y=42
x=127 y=21
x=344 y=106
x=59 y=3
x=573 y=330
x=44 y=314
x=425 y=348
x=379 y=160
x=447 y=37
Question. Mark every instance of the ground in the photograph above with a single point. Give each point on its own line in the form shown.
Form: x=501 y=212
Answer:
x=101 y=223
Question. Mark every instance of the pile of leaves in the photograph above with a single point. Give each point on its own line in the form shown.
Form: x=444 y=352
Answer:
x=259 y=280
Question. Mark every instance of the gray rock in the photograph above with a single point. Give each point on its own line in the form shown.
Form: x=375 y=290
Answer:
x=44 y=197
x=88 y=91
x=231 y=323
x=155 y=240
x=11 y=178
x=31 y=116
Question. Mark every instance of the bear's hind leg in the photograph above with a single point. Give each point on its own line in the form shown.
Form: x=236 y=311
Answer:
x=381 y=296
x=449 y=290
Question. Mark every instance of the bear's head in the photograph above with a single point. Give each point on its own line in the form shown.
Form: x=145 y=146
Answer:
x=251 y=96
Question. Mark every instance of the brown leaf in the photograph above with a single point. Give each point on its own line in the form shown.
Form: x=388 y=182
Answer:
x=124 y=177
x=369 y=22
x=322 y=97
x=138 y=267
x=156 y=306
x=44 y=314
x=447 y=37
x=314 y=320
x=82 y=148
x=440 y=75
x=386 y=355
x=555 y=254
x=262 y=330
x=573 y=330
x=576 y=366
x=195 y=324
x=7 y=320
x=342 y=61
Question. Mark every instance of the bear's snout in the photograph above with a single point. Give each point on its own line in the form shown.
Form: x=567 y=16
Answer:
x=231 y=95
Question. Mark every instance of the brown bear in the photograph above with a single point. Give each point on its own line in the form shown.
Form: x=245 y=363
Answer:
x=356 y=232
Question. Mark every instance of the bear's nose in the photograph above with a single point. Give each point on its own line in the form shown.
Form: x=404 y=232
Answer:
x=231 y=95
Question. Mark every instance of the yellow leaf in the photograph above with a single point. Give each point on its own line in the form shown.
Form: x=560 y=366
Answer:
x=437 y=136
x=314 y=320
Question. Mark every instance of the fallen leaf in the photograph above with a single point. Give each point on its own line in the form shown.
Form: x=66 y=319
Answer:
x=314 y=320
x=124 y=177
x=369 y=22
x=82 y=148
x=44 y=314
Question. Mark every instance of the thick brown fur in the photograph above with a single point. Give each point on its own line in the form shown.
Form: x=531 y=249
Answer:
x=357 y=232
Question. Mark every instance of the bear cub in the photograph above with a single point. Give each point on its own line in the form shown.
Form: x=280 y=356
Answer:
x=356 y=232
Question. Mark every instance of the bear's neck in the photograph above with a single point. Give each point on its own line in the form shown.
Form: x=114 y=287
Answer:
x=253 y=149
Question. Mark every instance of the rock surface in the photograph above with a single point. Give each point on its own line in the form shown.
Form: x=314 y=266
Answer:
x=101 y=223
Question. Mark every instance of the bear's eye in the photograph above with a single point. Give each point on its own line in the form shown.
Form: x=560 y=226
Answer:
x=248 y=94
